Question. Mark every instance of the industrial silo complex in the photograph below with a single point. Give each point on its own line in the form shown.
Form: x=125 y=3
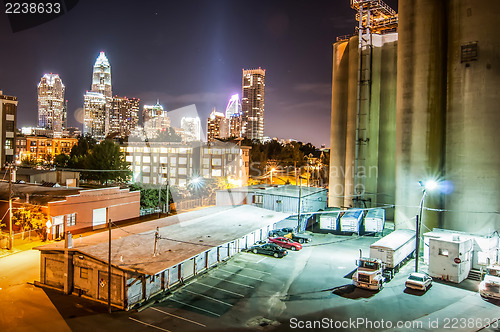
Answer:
x=419 y=104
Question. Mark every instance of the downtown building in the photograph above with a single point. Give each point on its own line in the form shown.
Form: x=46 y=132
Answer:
x=220 y=126
x=103 y=113
x=191 y=127
x=51 y=104
x=124 y=115
x=178 y=163
x=252 y=103
x=155 y=119
x=8 y=115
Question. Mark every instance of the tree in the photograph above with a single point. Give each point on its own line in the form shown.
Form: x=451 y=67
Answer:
x=108 y=162
x=80 y=151
x=29 y=217
x=61 y=160
x=149 y=195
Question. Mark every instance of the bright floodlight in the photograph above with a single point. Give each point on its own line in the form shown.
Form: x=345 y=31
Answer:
x=430 y=185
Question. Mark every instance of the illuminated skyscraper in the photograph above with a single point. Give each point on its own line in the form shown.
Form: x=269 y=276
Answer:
x=155 y=119
x=101 y=76
x=97 y=102
x=124 y=115
x=217 y=126
x=233 y=106
x=51 y=104
x=192 y=128
x=253 y=103
x=95 y=120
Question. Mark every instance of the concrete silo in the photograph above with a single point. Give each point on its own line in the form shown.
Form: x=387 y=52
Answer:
x=421 y=100
x=447 y=113
x=473 y=117
x=364 y=111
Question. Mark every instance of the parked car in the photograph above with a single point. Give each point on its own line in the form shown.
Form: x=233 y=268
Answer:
x=289 y=233
x=271 y=249
x=419 y=281
x=285 y=242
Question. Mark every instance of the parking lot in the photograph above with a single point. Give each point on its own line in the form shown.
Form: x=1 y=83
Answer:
x=253 y=291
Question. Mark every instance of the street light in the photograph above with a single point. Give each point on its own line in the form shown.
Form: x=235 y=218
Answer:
x=272 y=170
x=428 y=185
x=300 y=199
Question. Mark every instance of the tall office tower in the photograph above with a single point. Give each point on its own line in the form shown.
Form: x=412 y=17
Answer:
x=124 y=115
x=97 y=102
x=154 y=119
x=235 y=125
x=101 y=76
x=217 y=126
x=253 y=103
x=51 y=104
x=94 y=118
x=8 y=115
x=192 y=128
x=233 y=106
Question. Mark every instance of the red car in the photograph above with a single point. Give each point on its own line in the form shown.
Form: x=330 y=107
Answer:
x=285 y=242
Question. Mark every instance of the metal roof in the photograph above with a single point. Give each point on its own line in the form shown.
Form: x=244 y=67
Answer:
x=183 y=236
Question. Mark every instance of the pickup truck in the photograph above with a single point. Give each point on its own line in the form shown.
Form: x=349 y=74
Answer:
x=289 y=233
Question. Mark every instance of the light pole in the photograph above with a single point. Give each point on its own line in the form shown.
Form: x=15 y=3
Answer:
x=428 y=185
x=272 y=170
x=300 y=199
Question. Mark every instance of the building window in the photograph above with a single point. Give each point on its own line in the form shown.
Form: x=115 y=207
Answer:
x=84 y=273
x=257 y=199
x=71 y=219
x=469 y=52
x=9 y=144
x=443 y=252
x=9 y=126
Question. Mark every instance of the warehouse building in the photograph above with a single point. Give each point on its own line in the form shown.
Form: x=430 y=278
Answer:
x=152 y=257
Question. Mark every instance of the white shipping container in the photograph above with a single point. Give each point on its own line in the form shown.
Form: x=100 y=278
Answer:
x=375 y=221
x=329 y=221
x=351 y=221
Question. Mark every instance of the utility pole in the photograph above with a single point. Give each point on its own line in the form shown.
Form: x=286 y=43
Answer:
x=11 y=237
x=417 y=242
x=109 y=262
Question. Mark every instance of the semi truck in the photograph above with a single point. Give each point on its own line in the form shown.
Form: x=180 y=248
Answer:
x=490 y=287
x=351 y=221
x=387 y=255
x=374 y=221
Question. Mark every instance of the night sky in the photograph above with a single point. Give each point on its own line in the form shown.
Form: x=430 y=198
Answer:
x=187 y=52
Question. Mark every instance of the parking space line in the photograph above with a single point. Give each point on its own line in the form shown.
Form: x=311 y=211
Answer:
x=222 y=289
x=233 y=282
x=260 y=260
x=208 y=297
x=195 y=307
x=249 y=268
x=240 y=275
x=187 y=320
x=150 y=325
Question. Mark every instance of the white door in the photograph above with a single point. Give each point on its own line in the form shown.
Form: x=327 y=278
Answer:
x=99 y=217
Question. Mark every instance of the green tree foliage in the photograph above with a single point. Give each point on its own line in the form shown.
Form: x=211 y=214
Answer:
x=149 y=195
x=61 y=160
x=107 y=158
x=80 y=151
x=29 y=217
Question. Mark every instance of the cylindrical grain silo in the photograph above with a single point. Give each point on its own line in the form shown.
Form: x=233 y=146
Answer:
x=473 y=117
x=420 y=122
x=376 y=155
x=340 y=80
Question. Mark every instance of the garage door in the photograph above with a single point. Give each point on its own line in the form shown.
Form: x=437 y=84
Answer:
x=99 y=217
x=54 y=270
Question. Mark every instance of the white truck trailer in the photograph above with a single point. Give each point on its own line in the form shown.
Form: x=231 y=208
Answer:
x=329 y=221
x=374 y=221
x=387 y=255
x=351 y=221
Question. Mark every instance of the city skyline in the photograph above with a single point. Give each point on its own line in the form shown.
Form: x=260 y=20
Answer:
x=200 y=63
